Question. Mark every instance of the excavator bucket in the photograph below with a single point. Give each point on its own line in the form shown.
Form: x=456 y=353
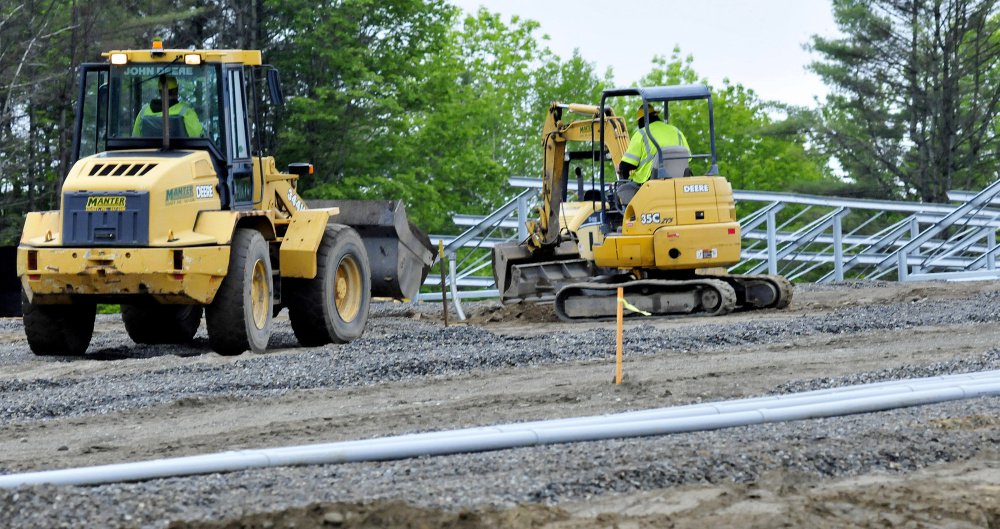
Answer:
x=522 y=275
x=399 y=254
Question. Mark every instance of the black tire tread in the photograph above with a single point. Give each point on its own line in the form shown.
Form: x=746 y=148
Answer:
x=306 y=304
x=224 y=318
x=58 y=329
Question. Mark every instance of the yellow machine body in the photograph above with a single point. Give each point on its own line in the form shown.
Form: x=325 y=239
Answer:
x=187 y=253
x=667 y=242
x=676 y=224
x=172 y=211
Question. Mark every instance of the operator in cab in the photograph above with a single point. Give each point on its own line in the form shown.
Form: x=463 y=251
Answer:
x=637 y=162
x=149 y=122
x=638 y=158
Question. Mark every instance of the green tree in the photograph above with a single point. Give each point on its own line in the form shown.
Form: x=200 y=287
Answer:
x=42 y=42
x=442 y=125
x=914 y=95
x=353 y=70
x=500 y=71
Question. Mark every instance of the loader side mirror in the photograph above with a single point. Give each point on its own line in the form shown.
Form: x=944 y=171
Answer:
x=274 y=88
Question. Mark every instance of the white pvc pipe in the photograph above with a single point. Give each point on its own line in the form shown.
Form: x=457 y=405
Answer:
x=691 y=410
x=815 y=404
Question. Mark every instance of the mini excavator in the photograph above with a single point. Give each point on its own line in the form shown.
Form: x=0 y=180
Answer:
x=667 y=246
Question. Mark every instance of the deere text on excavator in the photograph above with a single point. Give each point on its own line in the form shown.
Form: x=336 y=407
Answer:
x=668 y=246
x=172 y=209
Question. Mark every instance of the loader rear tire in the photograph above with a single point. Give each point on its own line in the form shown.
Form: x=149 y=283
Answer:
x=158 y=324
x=240 y=316
x=333 y=306
x=58 y=329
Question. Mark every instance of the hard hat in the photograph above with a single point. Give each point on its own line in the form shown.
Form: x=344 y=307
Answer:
x=171 y=82
x=641 y=113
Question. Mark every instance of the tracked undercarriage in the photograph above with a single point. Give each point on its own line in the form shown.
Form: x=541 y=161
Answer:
x=708 y=295
x=581 y=292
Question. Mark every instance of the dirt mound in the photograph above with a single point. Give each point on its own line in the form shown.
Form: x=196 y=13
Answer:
x=483 y=313
x=385 y=514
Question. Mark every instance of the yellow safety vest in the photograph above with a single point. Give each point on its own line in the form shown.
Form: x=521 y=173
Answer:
x=641 y=152
x=191 y=123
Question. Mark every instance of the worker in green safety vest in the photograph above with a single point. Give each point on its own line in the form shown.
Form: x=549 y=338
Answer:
x=641 y=153
x=192 y=125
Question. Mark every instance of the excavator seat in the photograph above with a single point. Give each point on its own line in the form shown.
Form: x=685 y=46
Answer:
x=675 y=163
x=625 y=190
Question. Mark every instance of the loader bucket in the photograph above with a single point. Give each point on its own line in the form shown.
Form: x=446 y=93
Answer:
x=399 y=254
x=10 y=284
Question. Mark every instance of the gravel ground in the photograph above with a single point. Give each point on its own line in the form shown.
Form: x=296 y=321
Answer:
x=396 y=349
x=823 y=448
x=405 y=348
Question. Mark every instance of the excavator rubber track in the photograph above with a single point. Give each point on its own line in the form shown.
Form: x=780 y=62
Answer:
x=713 y=295
x=659 y=297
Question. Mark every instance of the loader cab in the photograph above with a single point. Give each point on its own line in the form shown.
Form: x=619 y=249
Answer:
x=659 y=98
x=121 y=108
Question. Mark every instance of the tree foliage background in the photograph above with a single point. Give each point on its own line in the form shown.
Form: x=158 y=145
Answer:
x=414 y=99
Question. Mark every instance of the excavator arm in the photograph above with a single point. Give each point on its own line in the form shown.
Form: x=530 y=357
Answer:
x=555 y=134
x=515 y=265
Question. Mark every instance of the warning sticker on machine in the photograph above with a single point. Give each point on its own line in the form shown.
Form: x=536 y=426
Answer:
x=105 y=203
x=708 y=253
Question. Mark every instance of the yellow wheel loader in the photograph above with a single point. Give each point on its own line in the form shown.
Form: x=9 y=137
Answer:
x=666 y=243
x=171 y=209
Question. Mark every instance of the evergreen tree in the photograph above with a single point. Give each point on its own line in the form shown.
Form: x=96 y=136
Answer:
x=914 y=96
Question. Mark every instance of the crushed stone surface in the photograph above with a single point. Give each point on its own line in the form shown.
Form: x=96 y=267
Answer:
x=763 y=475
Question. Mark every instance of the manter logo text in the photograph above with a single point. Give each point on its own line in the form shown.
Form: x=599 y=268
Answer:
x=105 y=204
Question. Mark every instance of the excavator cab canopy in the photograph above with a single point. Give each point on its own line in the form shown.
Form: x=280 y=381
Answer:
x=665 y=94
x=649 y=98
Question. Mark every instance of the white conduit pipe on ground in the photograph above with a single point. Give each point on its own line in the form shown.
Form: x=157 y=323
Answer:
x=809 y=405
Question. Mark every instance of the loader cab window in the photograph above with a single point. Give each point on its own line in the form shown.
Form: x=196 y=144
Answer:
x=91 y=128
x=136 y=104
x=239 y=147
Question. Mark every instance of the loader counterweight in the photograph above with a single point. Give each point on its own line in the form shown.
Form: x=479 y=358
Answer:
x=169 y=275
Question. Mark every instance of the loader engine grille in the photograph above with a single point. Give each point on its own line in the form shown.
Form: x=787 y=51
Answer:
x=121 y=169
x=106 y=219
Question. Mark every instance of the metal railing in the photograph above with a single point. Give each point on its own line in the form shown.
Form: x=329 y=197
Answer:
x=806 y=238
x=466 y=271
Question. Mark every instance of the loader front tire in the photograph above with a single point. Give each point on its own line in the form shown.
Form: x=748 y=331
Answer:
x=161 y=324
x=240 y=316
x=333 y=306
x=58 y=329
